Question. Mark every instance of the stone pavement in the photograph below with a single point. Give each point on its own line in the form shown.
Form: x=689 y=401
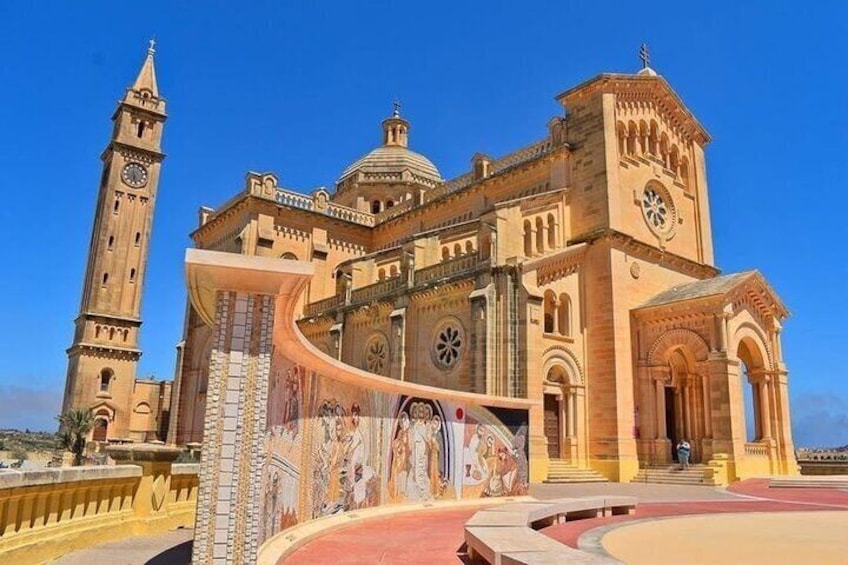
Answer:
x=171 y=548
x=436 y=536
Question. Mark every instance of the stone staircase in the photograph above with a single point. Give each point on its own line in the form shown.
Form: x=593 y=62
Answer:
x=673 y=475
x=562 y=472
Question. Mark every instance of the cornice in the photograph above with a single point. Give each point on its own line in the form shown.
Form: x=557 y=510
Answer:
x=643 y=250
x=104 y=351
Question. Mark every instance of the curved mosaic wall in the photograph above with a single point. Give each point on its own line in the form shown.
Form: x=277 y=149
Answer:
x=334 y=447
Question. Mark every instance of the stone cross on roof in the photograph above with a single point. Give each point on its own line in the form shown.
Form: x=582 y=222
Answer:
x=396 y=111
x=644 y=55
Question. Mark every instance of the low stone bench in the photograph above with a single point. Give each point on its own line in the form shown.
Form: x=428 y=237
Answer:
x=505 y=535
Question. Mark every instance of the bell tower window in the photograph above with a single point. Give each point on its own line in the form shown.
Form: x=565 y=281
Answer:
x=105 y=379
x=140 y=129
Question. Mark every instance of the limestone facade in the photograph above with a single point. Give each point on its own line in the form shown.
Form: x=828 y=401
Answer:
x=576 y=272
x=103 y=358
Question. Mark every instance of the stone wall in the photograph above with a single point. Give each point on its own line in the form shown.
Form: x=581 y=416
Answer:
x=46 y=514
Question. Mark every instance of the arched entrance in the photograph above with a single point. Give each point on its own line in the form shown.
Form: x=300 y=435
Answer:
x=675 y=399
x=563 y=400
x=101 y=426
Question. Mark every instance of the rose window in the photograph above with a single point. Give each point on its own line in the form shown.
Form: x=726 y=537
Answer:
x=447 y=347
x=376 y=354
x=655 y=209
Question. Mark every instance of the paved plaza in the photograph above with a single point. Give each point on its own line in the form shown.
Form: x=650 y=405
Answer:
x=748 y=523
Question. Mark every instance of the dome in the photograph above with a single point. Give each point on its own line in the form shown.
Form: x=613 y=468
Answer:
x=391 y=160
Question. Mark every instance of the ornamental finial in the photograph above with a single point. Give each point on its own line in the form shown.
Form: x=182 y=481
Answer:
x=396 y=111
x=644 y=55
x=151 y=49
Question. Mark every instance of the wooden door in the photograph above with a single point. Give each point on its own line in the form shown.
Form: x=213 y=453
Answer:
x=552 y=426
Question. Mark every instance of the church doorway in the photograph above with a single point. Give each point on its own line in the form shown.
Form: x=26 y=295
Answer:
x=553 y=426
x=671 y=420
x=101 y=427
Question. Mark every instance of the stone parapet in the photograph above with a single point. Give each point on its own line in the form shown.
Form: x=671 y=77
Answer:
x=46 y=514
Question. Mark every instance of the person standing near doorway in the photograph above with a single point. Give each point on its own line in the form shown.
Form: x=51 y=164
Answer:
x=683 y=451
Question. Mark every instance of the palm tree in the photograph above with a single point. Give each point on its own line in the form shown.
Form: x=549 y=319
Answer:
x=74 y=426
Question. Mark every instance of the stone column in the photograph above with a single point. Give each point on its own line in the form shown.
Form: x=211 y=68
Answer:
x=765 y=410
x=237 y=296
x=397 y=339
x=662 y=432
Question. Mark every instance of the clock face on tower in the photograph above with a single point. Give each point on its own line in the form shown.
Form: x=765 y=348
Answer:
x=134 y=174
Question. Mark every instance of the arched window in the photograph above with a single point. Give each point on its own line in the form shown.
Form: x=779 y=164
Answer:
x=390 y=203
x=375 y=206
x=289 y=256
x=551 y=232
x=445 y=253
x=105 y=278
x=653 y=138
x=111 y=242
x=111 y=333
x=126 y=334
x=115 y=207
x=142 y=408
x=140 y=130
x=381 y=274
x=457 y=249
x=631 y=138
x=96 y=332
x=469 y=247
x=105 y=378
x=393 y=271
x=674 y=159
x=101 y=426
x=564 y=314
x=550 y=311
x=132 y=275
x=528 y=238
x=540 y=236
x=643 y=137
x=137 y=237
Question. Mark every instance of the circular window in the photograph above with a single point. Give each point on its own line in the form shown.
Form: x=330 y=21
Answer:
x=658 y=210
x=448 y=344
x=376 y=355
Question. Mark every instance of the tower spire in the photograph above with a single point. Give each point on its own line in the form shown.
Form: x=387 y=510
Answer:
x=146 y=79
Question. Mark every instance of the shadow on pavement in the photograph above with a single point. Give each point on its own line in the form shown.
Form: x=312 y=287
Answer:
x=177 y=555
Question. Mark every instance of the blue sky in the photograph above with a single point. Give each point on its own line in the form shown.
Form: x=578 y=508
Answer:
x=300 y=90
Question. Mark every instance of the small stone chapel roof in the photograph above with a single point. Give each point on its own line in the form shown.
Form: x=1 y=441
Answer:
x=699 y=289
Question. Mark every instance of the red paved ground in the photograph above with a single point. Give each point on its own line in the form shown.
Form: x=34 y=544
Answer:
x=419 y=537
x=779 y=500
x=437 y=536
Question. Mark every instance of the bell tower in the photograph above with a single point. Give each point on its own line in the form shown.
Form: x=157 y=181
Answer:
x=104 y=355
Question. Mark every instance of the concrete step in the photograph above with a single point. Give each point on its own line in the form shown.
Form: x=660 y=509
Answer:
x=672 y=475
x=560 y=471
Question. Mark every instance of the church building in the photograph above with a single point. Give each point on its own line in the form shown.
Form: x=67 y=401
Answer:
x=577 y=272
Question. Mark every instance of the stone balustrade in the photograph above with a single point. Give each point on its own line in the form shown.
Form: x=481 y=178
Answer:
x=47 y=513
x=297 y=200
x=316 y=308
x=445 y=269
x=376 y=290
x=448 y=268
x=756 y=450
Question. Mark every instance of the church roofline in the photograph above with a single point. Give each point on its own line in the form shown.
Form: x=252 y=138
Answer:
x=607 y=81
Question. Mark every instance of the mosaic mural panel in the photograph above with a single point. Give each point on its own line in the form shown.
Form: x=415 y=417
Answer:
x=335 y=447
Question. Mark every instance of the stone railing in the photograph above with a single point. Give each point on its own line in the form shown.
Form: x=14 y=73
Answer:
x=395 y=211
x=447 y=268
x=376 y=290
x=756 y=449
x=302 y=202
x=323 y=305
x=48 y=513
x=497 y=166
